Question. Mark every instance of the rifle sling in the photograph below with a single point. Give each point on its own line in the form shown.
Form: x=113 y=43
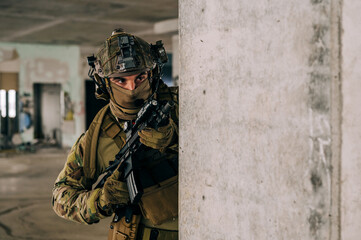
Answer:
x=91 y=143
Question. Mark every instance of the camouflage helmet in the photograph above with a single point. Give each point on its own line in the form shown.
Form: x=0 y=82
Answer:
x=123 y=54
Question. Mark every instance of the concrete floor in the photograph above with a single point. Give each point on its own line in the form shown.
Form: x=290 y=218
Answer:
x=26 y=182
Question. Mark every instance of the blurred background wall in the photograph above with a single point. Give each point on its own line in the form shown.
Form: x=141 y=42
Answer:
x=47 y=100
x=43 y=50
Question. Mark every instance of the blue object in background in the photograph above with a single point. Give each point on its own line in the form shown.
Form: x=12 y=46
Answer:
x=25 y=121
x=167 y=72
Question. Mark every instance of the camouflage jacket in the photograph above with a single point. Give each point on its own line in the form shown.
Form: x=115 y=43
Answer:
x=73 y=196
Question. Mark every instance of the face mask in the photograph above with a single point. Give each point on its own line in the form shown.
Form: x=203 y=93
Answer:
x=125 y=104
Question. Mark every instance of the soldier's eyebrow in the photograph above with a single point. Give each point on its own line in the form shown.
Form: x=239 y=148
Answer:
x=119 y=78
x=141 y=74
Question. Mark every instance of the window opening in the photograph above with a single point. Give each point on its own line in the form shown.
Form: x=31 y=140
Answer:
x=3 y=103
x=12 y=103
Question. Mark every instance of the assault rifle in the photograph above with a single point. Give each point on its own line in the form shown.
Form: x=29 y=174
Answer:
x=153 y=114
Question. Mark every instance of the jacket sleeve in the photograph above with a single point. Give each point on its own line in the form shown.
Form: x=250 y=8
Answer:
x=73 y=197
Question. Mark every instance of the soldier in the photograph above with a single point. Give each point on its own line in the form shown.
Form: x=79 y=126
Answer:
x=127 y=73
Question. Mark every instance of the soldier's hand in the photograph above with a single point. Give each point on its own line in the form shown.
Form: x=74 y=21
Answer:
x=114 y=192
x=161 y=138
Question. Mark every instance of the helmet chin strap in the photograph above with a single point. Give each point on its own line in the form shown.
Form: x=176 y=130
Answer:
x=110 y=92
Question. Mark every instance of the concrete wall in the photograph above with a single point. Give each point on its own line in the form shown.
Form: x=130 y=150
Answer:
x=48 y=64
x=351 y=120
x=269 y=119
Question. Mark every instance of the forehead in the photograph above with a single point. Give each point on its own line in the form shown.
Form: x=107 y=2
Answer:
x=129 y=76
x=132 y=75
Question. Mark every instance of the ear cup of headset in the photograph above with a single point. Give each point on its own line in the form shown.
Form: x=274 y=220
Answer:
x=100 y=88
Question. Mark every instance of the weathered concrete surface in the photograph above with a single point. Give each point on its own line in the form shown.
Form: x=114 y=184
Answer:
x=26 y=183
x=259 y=119
x=351 y=120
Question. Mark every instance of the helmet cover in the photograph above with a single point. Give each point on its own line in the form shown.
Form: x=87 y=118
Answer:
x=123 y=54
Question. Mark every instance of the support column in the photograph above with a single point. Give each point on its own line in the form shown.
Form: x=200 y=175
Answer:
x=351 y=121
x=260 y=119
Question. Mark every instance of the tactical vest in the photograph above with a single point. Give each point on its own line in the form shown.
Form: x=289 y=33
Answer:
x=159 y=202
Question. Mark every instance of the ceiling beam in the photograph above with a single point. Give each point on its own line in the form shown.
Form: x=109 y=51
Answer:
x=33 y=29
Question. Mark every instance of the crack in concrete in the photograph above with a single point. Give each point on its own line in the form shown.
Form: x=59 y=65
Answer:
x=6 y=229
x=3 y=226
x=15 y=208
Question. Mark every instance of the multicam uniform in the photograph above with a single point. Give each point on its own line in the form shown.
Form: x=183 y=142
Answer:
x=73 y=196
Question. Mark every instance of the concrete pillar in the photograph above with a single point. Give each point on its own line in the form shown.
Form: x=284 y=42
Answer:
x=263 y=122
x=351 y=121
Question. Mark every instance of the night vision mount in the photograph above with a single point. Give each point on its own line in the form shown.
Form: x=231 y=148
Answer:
x=126 y=54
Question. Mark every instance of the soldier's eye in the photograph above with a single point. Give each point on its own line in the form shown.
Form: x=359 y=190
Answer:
x=119 y=80
x=141 y=78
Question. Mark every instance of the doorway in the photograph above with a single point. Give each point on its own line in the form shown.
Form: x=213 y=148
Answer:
x=47 y=113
